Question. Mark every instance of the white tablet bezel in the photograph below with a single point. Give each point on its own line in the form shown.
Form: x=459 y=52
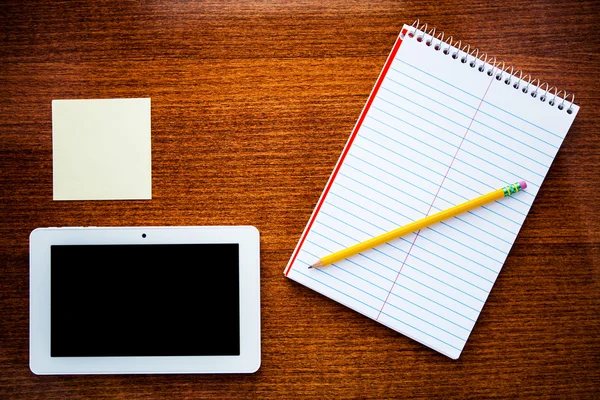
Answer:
x=41 y=239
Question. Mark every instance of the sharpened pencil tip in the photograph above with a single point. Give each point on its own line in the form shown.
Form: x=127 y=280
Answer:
x=318 y=264
x=310 y=267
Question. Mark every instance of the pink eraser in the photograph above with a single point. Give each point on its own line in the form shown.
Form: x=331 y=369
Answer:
x=523 y=184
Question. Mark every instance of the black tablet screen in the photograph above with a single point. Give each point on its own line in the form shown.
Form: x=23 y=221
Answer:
x=144 y=300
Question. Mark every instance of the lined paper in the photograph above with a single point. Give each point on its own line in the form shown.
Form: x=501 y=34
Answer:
x=435 y=132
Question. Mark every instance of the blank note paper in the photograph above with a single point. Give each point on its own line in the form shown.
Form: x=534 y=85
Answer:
x=101 y=149
x=437 y=130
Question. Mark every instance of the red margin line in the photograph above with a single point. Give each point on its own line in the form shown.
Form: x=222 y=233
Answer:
x=363 y=114
x=435 y=197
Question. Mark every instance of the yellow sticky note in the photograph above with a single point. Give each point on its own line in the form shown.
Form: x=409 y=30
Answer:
x=101 y=149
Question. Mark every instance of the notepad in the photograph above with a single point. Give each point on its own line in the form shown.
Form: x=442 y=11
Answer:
x=440 y=127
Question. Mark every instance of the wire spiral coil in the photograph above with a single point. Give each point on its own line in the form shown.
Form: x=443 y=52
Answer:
x=491 y=66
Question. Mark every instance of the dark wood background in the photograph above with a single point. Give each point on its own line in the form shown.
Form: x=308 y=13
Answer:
x=252 y=103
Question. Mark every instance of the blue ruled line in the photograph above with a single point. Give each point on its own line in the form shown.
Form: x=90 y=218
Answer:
x=437 y=137
x=465 y=139
x=406 y=263
x=331 y=287
x=399 y=261
x=382 y=230
x=513 y=150
x=468 y=140
x=485 y=101
x=361 y=302
x=448 y=190
x=396 y=224
x=455 y=169
x=432 y=194
x=465 y=115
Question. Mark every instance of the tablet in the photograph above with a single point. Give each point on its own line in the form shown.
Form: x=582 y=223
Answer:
x=144 y=300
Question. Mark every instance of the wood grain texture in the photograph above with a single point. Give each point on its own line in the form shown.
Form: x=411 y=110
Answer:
x=252 y=103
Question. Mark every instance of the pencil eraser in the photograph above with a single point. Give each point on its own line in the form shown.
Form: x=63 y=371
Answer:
x=523 y=184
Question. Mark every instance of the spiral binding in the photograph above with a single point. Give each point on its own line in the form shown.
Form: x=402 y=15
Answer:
x=472 y=57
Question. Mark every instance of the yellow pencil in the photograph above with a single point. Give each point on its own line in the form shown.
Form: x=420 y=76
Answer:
x=420 y=224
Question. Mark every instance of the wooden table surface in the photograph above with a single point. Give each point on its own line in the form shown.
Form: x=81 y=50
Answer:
x=252 y=103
